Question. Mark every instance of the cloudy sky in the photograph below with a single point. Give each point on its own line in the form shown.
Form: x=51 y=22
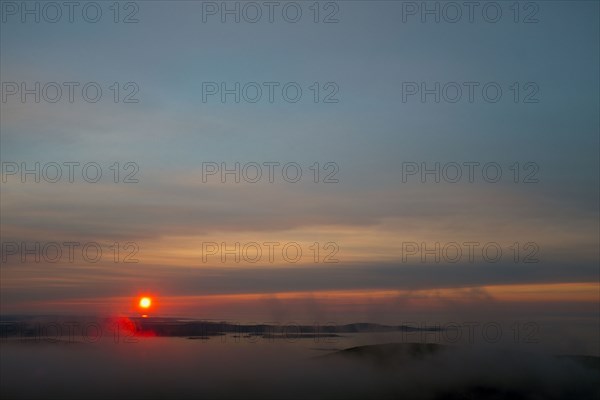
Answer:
x=368 y=118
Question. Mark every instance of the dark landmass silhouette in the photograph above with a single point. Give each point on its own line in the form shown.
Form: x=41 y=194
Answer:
x=471 y=375
x=23 y=326
x=389 y=354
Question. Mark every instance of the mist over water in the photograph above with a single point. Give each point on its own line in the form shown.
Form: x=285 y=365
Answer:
x=182 y=368
x=351 y=365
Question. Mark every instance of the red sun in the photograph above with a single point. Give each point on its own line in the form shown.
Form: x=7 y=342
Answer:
x=145 y=302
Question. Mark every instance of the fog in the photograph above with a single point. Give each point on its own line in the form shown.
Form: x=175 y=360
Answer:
x=251 y=367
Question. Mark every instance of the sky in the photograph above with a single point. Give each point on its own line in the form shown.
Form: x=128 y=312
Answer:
x=170 y=224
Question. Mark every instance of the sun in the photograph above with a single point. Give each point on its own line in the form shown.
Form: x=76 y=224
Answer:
x=145 y=302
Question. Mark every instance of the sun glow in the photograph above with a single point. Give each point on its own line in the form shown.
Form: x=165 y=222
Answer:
x=145 y=302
